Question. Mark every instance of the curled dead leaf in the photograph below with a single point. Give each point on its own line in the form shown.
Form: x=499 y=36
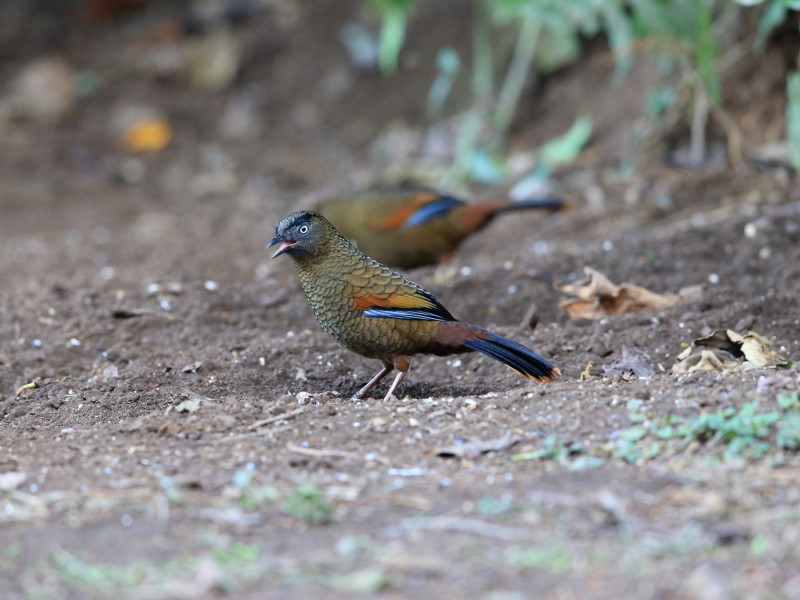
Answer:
x=705 y=360
x=724 y=349
x=472 y=450
x=630 y=365
x=597 y=296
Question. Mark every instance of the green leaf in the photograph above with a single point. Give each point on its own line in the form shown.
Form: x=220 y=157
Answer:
x=788 y=400
x=788 y=435
x=449 y=65
x=583 y=463
x=308 y=503
x=774 y=15
x=565 y=148
x=793 y=117
x=394 y=16
x=619 y=30
x=486 y=168
x=632 y=434
x=706 y=54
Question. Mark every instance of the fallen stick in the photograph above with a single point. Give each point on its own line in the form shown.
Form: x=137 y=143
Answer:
x=335 y=454
x=281 y=417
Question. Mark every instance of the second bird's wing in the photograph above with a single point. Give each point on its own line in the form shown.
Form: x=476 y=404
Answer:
x=412 y=210
x=439 y=206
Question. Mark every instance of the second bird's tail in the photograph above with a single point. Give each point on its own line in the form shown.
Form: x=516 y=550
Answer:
x=552 y=204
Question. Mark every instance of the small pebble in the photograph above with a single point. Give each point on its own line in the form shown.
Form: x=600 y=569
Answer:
x=100 y=235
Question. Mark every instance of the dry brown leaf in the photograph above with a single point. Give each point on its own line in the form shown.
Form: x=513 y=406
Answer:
x=475 y=449
x=756 y=349
x=587 y=371
x=705 y=360
x=726 y=349
x=149 y=135
x=597 y=297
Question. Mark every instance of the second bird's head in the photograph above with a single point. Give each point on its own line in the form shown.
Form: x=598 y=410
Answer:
x=301 y=235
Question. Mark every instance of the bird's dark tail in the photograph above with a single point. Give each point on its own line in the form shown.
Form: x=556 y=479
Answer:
x=551 y=204
x=457 y=336
x=516 y=356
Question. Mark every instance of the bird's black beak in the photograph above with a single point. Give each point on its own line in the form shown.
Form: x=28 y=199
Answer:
x=284 y=245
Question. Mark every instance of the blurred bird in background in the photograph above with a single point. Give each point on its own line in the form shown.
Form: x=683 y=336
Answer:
x=413 y=227
x=378 y=313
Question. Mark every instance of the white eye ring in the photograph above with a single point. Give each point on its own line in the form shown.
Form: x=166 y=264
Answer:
x=303 y=229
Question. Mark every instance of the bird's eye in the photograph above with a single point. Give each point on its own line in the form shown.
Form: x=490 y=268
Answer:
x=303 y=229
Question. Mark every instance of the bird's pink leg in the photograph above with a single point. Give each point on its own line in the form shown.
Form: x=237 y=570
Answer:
x=387 y=368
x=402 y=364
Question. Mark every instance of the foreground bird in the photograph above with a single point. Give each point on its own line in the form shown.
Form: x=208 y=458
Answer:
x=377 y=313
x=414 y=227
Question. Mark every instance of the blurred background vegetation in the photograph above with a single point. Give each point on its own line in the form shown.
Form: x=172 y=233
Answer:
x=463 y=85
x=515 y=43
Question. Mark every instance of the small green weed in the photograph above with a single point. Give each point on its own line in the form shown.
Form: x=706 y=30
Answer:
x=97 y=576
x=235 y=554
x=236 y=561
x=491 y=506
x=539 y=557
x=251 y=495
x=553 y=448
x=309 y=504
x=749 y=432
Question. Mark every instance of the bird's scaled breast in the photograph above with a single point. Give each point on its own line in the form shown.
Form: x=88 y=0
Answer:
x=332 y=300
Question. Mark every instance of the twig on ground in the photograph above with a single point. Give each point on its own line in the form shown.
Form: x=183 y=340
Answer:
x=316 y=453
x=281 y=417
x=464 y=525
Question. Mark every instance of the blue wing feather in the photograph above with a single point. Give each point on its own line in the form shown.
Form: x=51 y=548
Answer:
x=419 y=314
x=433 y=312
x=436 y=208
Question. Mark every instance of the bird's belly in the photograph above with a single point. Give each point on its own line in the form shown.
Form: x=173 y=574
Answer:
x=375 y=337
x=384 y=338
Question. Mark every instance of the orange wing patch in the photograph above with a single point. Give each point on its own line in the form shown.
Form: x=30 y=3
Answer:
x=399 y=301
x=399 y=217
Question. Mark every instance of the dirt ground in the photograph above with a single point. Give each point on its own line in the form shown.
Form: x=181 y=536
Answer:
x=190 y=432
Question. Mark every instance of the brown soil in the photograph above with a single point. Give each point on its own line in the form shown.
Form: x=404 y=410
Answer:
x=122 y=494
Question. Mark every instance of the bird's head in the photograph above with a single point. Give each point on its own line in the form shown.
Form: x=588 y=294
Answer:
x=301 y=235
